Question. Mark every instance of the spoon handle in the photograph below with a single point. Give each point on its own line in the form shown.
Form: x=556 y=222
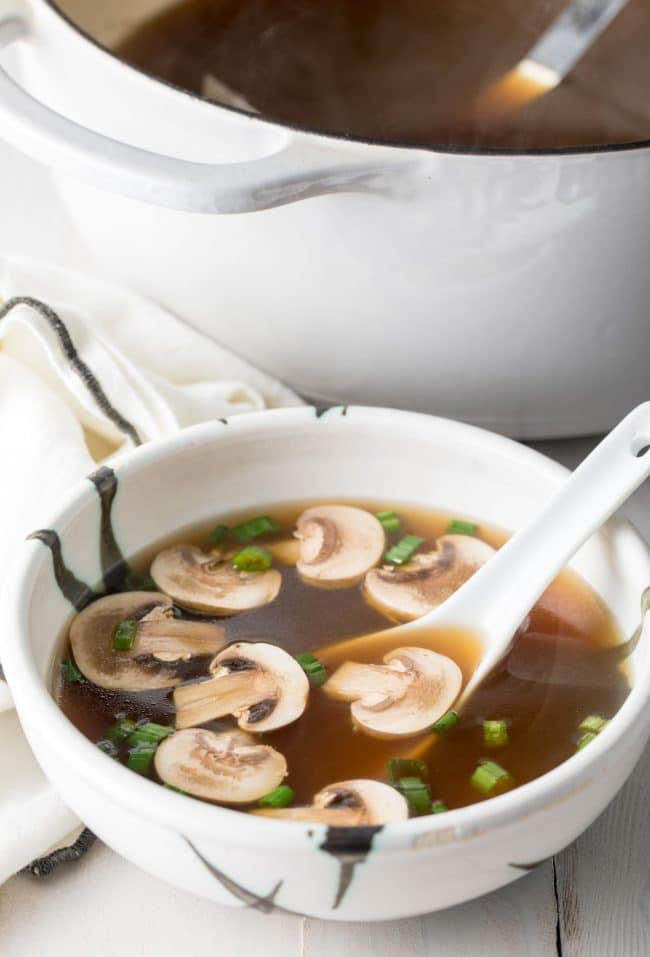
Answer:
x=498 y=597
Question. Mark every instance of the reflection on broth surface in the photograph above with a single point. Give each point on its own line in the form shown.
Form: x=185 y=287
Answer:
x=534 y=703
x=409 y=72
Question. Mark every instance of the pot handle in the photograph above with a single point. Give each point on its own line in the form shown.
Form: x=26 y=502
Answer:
x=297 y=171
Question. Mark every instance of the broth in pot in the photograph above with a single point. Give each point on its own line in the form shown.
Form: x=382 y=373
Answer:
x=407 y=72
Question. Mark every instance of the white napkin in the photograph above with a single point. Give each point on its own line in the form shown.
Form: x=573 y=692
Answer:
x=94 y=372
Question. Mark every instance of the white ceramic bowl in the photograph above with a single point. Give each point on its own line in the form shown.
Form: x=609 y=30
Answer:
x=495 y=287
x=275 y=457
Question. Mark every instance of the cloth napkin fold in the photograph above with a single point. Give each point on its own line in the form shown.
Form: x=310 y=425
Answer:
x=86 y=371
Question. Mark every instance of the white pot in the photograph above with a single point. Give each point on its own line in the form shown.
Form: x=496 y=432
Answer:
x=237 y=859
x=502 y=288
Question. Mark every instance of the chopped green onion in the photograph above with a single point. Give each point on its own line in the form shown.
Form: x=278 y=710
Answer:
x=390 y=521
x=253 y=559
x=282 y=796
x=405 y=768
x=70 y=672
x=458 y=527
x=121 y=730
x=416 y=791
x=439 y=807
x=124 y=634
x=170 y=787
x=149 y=733
x=140 y=758
x=255 y=527
x=108 y=748
x=138 y=581
x=490 y=778
x=404 y=550
x=313 y=668
x=585 y=740
x=495 y=733
x=594 y=723
x=446 y=723
x=218 y=534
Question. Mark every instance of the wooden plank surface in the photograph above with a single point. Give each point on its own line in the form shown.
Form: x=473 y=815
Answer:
x=603 y=879
x=592 y=901
x=518 y=920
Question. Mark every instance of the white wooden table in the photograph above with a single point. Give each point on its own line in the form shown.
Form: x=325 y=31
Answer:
x=593 y=900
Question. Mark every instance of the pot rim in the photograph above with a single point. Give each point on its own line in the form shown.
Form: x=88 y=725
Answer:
x=447 y=149
x=44 y=720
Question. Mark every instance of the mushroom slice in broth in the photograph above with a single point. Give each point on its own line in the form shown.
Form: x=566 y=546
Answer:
x=348 y=804
x=260 y=684
x=410 y=591
x=208 y=582
x=338 y=544
x=161 y=641
x=228 y=767
x=404 y=696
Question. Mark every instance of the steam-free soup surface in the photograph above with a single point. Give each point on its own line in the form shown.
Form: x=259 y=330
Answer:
x=560 y=671
x=406 y=71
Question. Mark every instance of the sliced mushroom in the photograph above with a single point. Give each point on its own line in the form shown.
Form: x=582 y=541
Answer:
x=161 y=641
x=348 y=804
x=207 y=581
x=229 y=767
x=404 y=696
x=261 y=685
x=338 y=544
x=412 y=590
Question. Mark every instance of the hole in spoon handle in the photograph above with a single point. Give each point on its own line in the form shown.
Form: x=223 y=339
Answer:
x=640 y=446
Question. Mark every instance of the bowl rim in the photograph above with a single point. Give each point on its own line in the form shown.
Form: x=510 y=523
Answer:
x=36 y=706
x=642 y=144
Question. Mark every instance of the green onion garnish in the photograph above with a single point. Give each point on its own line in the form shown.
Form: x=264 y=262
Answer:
x=446 y=723
x=404 y=550
x=149 y=733
x=282 y=796
x=124 y=634
x=140 y=757
x=439 y=807
x=121 y=730
x=416 y=791
x=138 y=581
x=458 y=527
x=495 y=733
x=218 y=534
x=490 y=778
x=594 y=723
x=389 y=520
x=585 y=740
x=253 y=558
x=70 y=672
x=108 y=748
x=255 y=527
x=406 y=768
x=313 y=668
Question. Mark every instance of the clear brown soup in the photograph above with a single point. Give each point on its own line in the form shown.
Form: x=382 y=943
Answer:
x=561 y=669
x=404 y=71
